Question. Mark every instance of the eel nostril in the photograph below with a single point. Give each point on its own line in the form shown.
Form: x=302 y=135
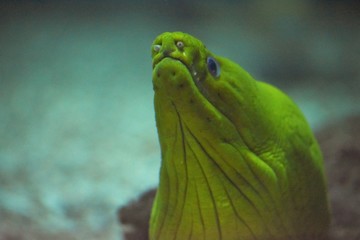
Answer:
x=157 y=47
x=167 y=52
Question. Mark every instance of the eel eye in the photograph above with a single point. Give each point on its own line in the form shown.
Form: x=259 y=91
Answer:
x=180 y=44
x=213 y=66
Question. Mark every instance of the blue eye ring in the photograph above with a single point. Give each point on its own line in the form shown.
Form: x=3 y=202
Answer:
x=213 y=67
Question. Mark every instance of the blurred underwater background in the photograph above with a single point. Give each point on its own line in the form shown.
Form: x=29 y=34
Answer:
x=77 y=129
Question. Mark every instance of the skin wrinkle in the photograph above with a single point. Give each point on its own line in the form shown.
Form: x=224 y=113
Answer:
x=182 y=136
x=229 y=179
x=167 y=208
x=184 y=148
x=239 y=174
x=283 y=222
x=167 y=196
x=191 y=229
x=258 y=180
x=252 y=171
x=254 y=97
x=232 y=91
x=260 y=196
x=237 y=214
x=197 y=192
x=236 y=170
x=171 y=192
x=210 y=189
x=205 y=93
x=271 y=198
x=243 y=139
x=198 y=203
x=176 y=189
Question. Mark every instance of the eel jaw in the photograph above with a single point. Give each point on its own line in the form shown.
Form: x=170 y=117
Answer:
x=191 y=68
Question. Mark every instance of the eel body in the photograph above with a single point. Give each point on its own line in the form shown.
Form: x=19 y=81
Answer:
x=239 y=160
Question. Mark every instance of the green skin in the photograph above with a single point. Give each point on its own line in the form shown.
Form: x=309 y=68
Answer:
x=239 y=160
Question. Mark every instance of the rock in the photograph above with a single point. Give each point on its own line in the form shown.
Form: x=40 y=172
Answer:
x=135 y=216
x=340 y=143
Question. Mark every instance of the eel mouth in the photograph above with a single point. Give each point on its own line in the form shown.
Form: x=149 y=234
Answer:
x=191 y=68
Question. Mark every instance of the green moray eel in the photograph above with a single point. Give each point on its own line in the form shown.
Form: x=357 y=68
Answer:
x=239 y=160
